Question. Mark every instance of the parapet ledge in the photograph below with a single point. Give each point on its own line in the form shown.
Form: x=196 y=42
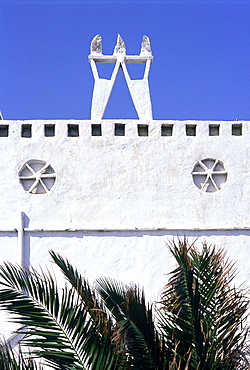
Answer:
x=108 y=128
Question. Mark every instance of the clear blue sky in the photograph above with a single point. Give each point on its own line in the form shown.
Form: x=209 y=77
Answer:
x=201 y=49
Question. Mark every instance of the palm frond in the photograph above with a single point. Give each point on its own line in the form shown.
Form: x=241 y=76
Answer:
x=102 y=352
x=60 y=328
x=135 y=330
x=17 y=359
x=201 y=308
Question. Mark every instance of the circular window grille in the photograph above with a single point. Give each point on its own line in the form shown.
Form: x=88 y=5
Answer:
x=209 y=175
x=37 y=177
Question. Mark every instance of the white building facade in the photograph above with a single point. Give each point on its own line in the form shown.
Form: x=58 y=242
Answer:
x=109 y=194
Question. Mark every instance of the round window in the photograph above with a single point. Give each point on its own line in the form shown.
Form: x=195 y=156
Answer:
x=37 y=177
x=209 y=175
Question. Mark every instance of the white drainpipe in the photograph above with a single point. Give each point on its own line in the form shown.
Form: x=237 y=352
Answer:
x=25 y=264
x=25 y=252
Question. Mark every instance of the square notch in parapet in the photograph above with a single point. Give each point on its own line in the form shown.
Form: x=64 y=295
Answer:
x=237 y=129
x=49 y=130
x=191 y=130
x=4 y=130
x=214 y=130
x=142 y=130
x=73 y=130
x=96 y=129
x=119 y=129
x=167 y=130
x=26 y=131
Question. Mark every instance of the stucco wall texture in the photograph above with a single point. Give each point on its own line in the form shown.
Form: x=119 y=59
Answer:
x=116 y=200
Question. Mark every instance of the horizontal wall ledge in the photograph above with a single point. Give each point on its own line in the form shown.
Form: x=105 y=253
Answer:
x=173 y=230
x=8 y=230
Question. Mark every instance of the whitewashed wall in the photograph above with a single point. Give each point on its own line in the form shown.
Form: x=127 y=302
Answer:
x=117 y=200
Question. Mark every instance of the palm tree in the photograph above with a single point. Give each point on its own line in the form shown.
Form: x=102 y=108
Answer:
x=201 y=309
x=63 y=330
x=197 y=324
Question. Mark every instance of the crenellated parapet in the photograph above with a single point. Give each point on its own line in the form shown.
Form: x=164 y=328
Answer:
x=109 y=128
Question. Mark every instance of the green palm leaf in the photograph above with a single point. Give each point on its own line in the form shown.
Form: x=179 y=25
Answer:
x=135 y=327
x=16 y=360
x=60 y=328
x=127 y=326
x=201 y=311
x=103 y=354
